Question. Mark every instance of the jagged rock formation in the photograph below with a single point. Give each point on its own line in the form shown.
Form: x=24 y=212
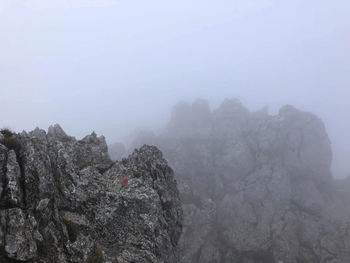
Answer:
x=255 y=187
x=64 y=200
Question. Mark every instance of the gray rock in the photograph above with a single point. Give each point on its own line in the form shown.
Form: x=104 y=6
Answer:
x=19 y=240
x=42 y=204
x=66 y=201
x=255 y=187
x=3 y=158
x=13 y=190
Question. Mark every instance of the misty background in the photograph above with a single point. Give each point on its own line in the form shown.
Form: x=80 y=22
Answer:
x=113 y=66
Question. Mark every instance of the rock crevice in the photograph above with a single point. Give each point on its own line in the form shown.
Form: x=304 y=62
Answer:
x=65 y=202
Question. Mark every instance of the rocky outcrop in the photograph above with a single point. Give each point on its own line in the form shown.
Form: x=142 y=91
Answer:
x=255 y=187
x=63 y=200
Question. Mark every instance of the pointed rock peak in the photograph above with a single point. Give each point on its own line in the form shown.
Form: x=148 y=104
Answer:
x=91 y=138
x=102 y=139
x=149 y=151
x=40 y=133
x=57 y=132
x=24 y=133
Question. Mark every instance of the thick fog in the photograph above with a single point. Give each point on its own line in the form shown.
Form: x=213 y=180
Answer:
x=113 y=66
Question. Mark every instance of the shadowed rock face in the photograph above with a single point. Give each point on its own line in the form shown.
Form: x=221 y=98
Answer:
x=255 y=187
x=63 y=200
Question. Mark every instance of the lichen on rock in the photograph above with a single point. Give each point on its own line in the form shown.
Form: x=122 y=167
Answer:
x=62 y=201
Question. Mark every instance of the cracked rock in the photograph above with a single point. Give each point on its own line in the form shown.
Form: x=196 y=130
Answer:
x=63 y=201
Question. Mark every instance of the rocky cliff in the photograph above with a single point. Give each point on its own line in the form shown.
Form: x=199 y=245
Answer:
x=63 y=200
x=255 y=187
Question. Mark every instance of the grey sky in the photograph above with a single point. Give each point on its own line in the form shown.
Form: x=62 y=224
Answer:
x=110 y=66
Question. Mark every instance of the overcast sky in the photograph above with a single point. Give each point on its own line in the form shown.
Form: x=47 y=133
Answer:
x=111 y=66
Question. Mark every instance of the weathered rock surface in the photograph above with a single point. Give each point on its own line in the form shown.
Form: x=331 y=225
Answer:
x=255 y=187
x=63 y=200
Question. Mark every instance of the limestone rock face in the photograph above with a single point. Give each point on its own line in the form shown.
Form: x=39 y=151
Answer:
x=255 y=187
x=63 y=200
